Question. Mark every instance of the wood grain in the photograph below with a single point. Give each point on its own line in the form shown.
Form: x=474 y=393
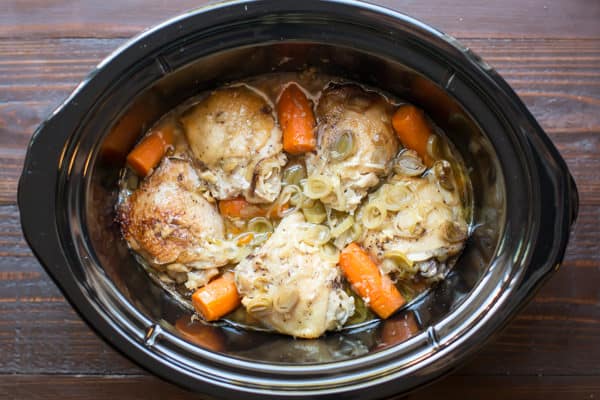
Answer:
x=549 y=51
x=508 y=18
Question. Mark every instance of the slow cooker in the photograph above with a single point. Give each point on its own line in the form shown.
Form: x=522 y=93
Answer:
x=525 y=200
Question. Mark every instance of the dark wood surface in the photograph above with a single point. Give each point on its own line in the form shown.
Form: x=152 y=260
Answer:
x=549 y=51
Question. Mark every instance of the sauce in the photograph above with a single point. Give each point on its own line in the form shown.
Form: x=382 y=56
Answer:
x=250 y=234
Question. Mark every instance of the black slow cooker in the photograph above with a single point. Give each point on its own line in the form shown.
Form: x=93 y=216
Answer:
x=525 y=200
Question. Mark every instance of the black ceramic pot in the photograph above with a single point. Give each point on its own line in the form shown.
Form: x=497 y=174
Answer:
x=525 y=200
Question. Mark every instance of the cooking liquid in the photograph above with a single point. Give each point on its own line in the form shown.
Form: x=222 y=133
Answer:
x=270 y=86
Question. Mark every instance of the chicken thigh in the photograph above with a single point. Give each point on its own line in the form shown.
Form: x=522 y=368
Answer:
x=291 y=285
x=356 y=143
x=169 y=221
x=420 y=223
x=233 y=134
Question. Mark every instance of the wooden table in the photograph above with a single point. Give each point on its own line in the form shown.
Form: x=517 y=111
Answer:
x=549 y=51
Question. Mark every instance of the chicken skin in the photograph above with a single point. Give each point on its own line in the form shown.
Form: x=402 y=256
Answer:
x=356 y=143
x=171 y=223
x=425 y=226
x=234 y=136
x=291 y=286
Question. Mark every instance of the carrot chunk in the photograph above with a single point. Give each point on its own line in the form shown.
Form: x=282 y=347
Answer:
x=399 y=329
x=126 y=131
x=245 y=239
x=297 y=121
x=413 y=130
x=240 y=208
x=378 y=290
x=203 y=335
x=148 y=153
x=218 y=298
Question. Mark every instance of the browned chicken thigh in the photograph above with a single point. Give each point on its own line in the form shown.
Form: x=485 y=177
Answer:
x=356 y=143
x=233 y=134
x=169 y=221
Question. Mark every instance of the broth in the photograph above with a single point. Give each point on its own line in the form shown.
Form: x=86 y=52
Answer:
x=249 y=234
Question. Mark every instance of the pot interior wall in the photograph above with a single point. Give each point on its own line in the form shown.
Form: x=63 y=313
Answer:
x=211 y=71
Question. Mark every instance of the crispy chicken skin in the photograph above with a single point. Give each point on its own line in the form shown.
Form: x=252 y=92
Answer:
x=168 y=220
x=233 y=134
x=367 y=117
x=290 y=286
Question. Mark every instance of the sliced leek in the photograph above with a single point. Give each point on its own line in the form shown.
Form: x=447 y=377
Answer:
x=317 y=187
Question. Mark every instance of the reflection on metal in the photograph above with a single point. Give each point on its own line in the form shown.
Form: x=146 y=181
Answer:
x=153 y=333
x=433 y=339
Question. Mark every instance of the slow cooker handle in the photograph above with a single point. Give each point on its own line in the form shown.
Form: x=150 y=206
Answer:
x=560 y=179
x=561 y=208
x=36 y=194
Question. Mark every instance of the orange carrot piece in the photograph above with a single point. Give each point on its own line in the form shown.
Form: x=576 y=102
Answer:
x=279 y=211
x=240 y=208
x=126 y=131
x=437 y=101
x=376 y=289
x=200 y=334
x=399 y=329
x=121 y=139
x=148 y=153
x=297 y=121
x=244 y=240
x=413 y=130
x=233 y=229
x=218 y=298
